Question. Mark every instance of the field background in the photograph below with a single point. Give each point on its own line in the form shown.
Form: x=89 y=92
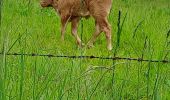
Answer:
x=28 y=28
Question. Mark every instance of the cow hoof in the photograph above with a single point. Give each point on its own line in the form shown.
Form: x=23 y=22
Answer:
x=62 y=38
x=81 y=45
x=61 y=41
x=90 y=45
x=109 y=48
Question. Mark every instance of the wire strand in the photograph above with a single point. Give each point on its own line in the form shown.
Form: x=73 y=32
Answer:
x=86 y=57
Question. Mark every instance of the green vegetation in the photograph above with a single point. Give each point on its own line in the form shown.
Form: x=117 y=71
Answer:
x=143 y=33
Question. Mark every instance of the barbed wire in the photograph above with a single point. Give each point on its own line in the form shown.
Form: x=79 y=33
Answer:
x=86 y=57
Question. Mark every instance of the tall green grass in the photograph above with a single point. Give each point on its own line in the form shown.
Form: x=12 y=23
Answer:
x=141 y=30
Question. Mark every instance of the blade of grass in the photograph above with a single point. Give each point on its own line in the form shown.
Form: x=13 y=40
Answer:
x=1 y=3
x=115 y=51
x=20 y=36
x=3 y=68
x=148 y=70
x=167 y=44
x=120 y=27
x=137 y=27
x=2 y=78
x=140 y=67
x=97 y=84
x=158 y=72
x=34 y=80
x=21 y=70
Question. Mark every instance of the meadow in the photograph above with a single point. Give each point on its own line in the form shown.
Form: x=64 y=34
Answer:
x=27 y=28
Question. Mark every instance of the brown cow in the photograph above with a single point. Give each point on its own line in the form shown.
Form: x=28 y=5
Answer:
x=73 y=10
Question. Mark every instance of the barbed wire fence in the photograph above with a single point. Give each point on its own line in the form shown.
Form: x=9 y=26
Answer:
x=85 y=57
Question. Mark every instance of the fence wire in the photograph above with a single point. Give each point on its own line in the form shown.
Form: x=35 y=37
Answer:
x=87 y=57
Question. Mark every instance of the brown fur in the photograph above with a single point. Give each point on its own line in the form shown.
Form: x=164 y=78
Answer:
x=73 y=10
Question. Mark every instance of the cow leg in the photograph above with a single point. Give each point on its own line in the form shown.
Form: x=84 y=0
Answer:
x=95 y=35
x=64 y=21
x=74 y=26
x=105 y=27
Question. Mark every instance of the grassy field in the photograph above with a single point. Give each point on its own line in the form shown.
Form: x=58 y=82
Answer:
x=28 y=28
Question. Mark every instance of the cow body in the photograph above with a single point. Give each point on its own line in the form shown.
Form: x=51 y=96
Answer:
x=73 y=10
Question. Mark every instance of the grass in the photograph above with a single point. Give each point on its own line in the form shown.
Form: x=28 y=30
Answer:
x=143 y=33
